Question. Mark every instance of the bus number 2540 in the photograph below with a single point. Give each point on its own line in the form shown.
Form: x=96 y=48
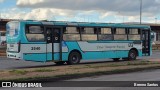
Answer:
x=35 y=48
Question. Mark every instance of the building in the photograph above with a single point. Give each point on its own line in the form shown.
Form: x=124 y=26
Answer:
x=3 y=29
x=3 y=24
x=156 y=29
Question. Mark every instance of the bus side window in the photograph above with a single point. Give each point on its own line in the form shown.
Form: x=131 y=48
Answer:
x=134 y=34
x=89 y=33
x=71 y=33
x=105 y=34
x=35 y=33
x=120 y=34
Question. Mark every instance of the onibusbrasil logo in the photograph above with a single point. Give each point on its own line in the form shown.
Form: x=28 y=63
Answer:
x=21 y=85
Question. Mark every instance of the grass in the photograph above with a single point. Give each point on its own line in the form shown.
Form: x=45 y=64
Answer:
x=19 y=72
x=142 y=63
x=68 y=76
x=130 y=63
x=43 y=70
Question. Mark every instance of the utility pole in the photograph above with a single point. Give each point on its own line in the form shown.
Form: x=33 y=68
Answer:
x=140 y=11
x=0 y=17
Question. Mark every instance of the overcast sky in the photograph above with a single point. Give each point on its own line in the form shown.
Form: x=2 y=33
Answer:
x=112 y=11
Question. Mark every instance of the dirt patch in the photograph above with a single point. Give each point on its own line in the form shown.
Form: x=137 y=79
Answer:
x=81 y=69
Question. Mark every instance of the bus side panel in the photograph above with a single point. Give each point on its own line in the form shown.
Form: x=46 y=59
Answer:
x=68 y=47
x=98 y=55
x=122 y=54
x=36 y=57
x=49 y=56
x=56 y=56
x=140 y=53
x=34 y=52
x=65 y=56
x=96 y=50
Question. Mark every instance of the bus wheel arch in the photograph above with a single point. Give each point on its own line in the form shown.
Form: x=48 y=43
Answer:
x=74 y=57
x=133 y=53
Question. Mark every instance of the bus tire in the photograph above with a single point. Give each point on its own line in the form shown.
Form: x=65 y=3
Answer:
x=132 y=55
x=74 y=58
x=116 y=59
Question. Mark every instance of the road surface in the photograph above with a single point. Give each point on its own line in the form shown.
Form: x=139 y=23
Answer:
x=18 y=64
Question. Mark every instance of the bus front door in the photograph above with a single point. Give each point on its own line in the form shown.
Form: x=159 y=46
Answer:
x=146 y=42
x=53 y=50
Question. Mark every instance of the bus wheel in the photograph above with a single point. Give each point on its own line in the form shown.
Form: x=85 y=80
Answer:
x=116 y=59
x=132 y=55
x=74 y=58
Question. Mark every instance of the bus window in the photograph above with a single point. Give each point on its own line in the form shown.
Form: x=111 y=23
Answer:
x=105 y=34
x=120 y=31
x=71 y=30
x=35 y=34
x=71 y=34
x=120 y=34
x=106 y=31
x=12 y=29
x=88 y=31
x=89 y=34
x=134 y=34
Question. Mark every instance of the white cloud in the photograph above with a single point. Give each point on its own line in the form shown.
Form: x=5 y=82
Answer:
x=111 y=5
x=1 y=1
x=84 y=10
x=29 y=2
x=37 y=14
x=106 y=14
x=133 y=19
x=158 y=1
x=43 y=13
x=76 y=15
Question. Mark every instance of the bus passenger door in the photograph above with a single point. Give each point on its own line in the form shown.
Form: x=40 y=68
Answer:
x=146 y=42
x=57 y=44
x=49 y=44
x=53 y=44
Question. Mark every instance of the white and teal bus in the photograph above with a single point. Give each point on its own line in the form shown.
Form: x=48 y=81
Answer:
x=71 y=42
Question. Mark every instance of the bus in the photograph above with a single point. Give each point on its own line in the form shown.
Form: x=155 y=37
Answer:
x=71 y=42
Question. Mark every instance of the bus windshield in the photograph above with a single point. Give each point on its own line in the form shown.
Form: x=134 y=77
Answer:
x=12 y=29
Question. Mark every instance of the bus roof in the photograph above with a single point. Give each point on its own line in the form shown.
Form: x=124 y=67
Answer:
x=86 y=24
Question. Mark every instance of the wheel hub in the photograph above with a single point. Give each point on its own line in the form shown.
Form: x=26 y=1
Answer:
x=132 y=55
x=75 y=58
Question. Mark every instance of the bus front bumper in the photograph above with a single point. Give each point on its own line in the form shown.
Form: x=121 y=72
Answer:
x=13 y=55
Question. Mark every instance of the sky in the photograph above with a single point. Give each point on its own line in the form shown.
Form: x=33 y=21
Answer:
x=108 y=11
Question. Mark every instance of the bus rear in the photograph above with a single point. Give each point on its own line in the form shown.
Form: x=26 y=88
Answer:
x=13 y=39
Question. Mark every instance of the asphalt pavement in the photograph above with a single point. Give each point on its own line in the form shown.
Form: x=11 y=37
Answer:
x=6 y=63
